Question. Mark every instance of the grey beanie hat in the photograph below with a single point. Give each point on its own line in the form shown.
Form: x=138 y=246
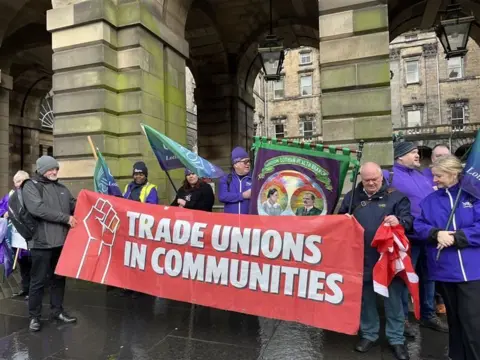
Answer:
x=46 y=163
x=402 y=148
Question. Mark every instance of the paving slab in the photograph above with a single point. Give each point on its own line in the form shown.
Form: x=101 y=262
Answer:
x=114 y=327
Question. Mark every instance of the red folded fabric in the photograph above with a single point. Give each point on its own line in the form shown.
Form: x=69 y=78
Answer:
x=393 y=246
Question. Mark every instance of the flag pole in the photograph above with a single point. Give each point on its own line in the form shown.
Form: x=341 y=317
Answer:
x=355 y=174
x=171 y=181
x=166 y=171
x=450 y=219
x=16 y=259
x=93 y=147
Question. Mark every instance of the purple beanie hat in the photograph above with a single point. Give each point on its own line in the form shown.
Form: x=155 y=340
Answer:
x=238 y=154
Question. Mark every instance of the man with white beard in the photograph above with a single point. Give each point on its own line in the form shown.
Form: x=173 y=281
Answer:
x=52 y=204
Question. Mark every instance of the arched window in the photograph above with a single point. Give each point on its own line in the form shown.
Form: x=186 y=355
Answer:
x=47 y=117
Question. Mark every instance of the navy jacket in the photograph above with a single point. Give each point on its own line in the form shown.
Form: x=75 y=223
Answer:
x=370 y=213
x=460 y=262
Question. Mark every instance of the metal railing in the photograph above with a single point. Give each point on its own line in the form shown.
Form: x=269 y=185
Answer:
x=314 y=138
x=437 y=131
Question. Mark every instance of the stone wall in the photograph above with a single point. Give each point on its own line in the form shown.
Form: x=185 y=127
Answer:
x=260 y=119
x=287 y=110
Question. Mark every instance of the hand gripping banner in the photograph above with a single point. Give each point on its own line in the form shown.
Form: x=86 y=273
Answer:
x=307 y=270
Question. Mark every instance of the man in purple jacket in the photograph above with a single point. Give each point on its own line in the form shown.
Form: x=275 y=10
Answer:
x=438 y=151
x=410 y=181
x=235 y=188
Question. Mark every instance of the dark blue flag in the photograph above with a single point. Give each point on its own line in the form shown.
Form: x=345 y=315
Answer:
x=172 y=155
x=471 y=173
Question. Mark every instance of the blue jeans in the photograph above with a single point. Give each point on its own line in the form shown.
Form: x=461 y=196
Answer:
x=427 y=287
x=395 y=320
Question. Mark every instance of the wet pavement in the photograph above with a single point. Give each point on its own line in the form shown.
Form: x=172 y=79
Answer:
x=111 y=327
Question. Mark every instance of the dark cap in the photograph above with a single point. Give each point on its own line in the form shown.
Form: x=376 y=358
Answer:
x=402 y=148
x=140 y=168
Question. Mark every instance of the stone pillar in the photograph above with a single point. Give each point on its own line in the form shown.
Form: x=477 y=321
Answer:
x=6 y=85
x=355 y=76
x=225 y=120
x=115 y=66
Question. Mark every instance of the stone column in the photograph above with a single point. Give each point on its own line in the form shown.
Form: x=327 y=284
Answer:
x=225 y=120
x=355 y=76
x=6 y=85
x=115 y=66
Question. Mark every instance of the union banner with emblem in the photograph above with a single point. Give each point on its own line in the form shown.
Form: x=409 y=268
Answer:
x=297 y=178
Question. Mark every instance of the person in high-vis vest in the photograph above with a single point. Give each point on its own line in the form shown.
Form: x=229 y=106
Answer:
x=143 y=191
x=140 y=189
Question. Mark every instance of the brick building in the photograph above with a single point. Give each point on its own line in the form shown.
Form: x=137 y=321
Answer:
x=434 y=100
x=293 y=103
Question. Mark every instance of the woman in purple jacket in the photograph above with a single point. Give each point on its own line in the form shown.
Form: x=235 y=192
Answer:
x=457 y=271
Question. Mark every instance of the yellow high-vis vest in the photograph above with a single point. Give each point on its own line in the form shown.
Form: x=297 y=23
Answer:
x=145 y=191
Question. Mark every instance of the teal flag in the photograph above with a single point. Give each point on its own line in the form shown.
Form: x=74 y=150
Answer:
x=160 y=142
x=103 y=180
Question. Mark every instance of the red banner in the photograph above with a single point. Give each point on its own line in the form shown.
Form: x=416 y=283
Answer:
x=304 y=269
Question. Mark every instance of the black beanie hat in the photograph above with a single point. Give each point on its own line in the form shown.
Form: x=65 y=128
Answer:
x=140 y=168
x=402 y=148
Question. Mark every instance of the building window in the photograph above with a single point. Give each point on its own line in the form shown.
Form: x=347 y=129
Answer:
x=306 y=85
x=307 y=129
x=46 y=116
x=458 y=117
x=411 y=69
x=279 y=131
x=278 y=89
x=455 y=68
x=305 y=58
x=414 y=118
x=50 y=151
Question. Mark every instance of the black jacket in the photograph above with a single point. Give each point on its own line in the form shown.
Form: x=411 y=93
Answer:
x=52 y=209
x=201 y=198
x=370 y=213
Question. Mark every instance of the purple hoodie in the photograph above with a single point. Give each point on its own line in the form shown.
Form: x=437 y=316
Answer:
x=427 y=172
x=414 y=185
x=231 y=195
x=4 y=204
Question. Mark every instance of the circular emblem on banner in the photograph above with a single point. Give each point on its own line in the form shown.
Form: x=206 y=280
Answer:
x=291 y=193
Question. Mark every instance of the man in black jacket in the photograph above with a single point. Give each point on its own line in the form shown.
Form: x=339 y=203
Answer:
x=53 y=205
x=373 y=205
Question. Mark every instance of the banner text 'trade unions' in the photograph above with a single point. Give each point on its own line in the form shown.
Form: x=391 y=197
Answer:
x=255 y=244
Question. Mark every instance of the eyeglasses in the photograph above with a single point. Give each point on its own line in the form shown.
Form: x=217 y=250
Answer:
x=245 y=162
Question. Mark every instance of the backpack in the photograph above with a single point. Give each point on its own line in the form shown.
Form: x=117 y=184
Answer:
x=25 y=223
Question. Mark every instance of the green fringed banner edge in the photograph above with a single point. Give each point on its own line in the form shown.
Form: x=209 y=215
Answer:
x=343 y=155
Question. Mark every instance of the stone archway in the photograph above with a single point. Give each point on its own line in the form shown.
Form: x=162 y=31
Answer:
x=26 y=59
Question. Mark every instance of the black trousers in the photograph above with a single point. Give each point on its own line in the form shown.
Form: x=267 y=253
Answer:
x=25 y=263
x=463 y=315
x=44 y=262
